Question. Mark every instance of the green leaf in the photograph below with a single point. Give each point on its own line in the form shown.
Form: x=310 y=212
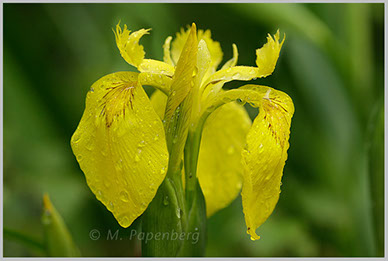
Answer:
x=58 y=240
x=375 y=147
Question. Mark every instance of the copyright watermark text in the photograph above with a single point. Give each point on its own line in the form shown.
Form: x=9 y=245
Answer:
x=96 y=234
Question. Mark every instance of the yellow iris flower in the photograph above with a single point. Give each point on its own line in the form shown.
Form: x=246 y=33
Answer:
x=121 y=144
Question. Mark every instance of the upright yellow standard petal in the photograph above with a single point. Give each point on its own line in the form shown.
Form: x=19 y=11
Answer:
x=213 y=46
x=128 y=44
x=219 y=163
x=268 y=55
x=120 y=146
x=182 y=81
x=166 y=51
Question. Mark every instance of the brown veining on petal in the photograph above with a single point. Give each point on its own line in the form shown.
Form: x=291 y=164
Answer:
x=116 y=101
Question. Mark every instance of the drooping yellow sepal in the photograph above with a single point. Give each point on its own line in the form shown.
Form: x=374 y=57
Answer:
x=120 y=146
x=265 y=152
x=128 y=44
x=264 y=158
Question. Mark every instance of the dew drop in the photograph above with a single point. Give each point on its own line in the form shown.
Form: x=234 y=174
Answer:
x=79 y=157
x=195 y=71
x=239 y=101
x=124 y=196
x=76 y=137
x=125 y=221
x=141 y=144
x=111 y=206
x=236 y=76
x=137 y=158
x=92 y=90
x=178 y=212
x=166 y=201
x=156 y=137
x=163 y=170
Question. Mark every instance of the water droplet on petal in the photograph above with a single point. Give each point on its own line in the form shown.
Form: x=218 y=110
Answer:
x=240 y=101
x=137 y=158
x=125 y=221
x=166 y=201
x=124 y=196
x=141 y=144
x=76 y=137
x=175 y=140
x=236 y=76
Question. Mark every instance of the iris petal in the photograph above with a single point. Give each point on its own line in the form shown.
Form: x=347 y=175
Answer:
x=265 y=152
x=128 y=44
x=219 y=163
x=213 y=46
x=120 y=146
x=267 y=57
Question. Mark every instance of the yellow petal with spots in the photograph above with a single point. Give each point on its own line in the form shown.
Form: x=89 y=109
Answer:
x=156 y=67
x=219 y=163
x=128 y=44
x=265 y=153
x=120 y=146
x=213 y=46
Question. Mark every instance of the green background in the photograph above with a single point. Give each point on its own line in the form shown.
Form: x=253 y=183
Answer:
x=331 y=64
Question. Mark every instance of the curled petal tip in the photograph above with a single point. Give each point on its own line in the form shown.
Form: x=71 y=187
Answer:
x=253 y=234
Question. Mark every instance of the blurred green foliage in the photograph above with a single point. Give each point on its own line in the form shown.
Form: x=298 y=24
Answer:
x=332 y=65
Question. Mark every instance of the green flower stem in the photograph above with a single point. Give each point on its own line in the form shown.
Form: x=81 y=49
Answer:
x=166 y=217
x=191 y=160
